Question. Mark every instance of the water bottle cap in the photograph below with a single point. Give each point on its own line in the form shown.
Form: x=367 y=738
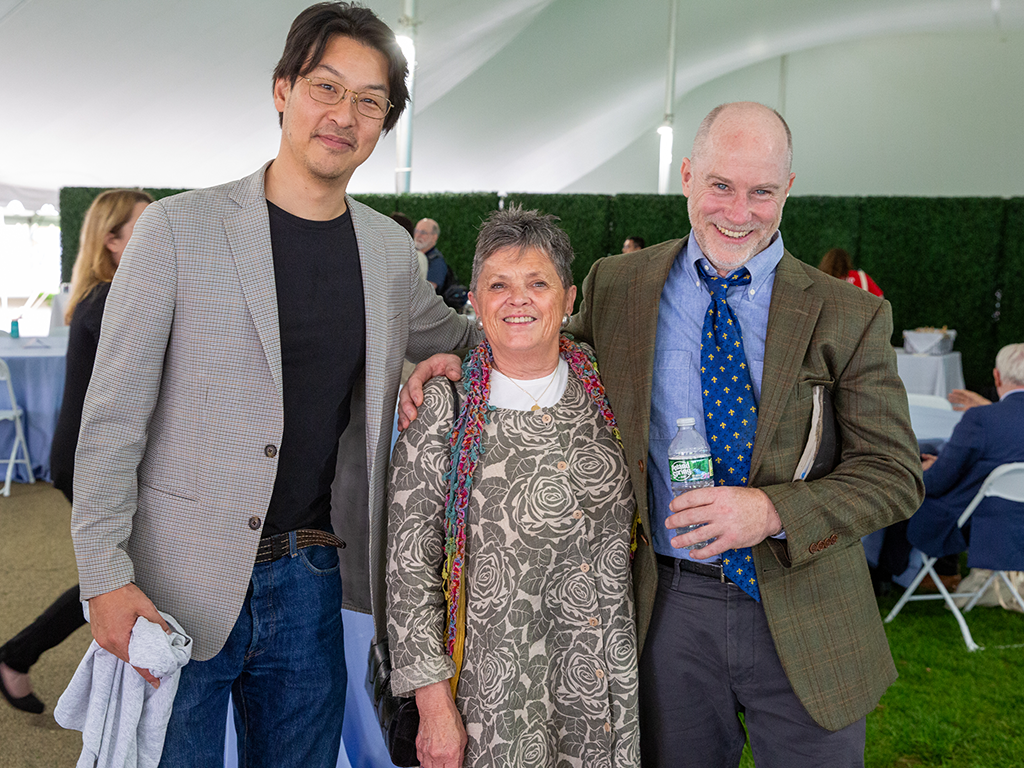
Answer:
x=686 y=421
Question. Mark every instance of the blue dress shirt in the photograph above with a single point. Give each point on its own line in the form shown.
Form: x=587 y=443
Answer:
x=676 y=386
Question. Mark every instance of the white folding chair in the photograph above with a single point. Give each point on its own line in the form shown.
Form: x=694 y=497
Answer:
x=13 y=414
x=929 y=401
x=1006 y=482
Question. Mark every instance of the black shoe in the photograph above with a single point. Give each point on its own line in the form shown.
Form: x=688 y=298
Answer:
x=27 y=703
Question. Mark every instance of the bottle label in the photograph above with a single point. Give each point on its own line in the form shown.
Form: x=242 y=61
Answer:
x=690 y=470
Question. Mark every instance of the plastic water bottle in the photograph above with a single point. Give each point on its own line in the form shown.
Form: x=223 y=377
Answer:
x=689 y=466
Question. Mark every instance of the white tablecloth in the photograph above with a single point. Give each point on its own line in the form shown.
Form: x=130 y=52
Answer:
x=37 y=373
x=930 y=374
x=933 y=424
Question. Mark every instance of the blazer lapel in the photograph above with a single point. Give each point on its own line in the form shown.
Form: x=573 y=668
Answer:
x=248 y=233
x=792 y=317
x=644 y=296
x=374 y=266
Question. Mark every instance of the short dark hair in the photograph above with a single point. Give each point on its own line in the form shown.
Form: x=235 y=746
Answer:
x=405 y=221
x=638 y=241
x=316 y=26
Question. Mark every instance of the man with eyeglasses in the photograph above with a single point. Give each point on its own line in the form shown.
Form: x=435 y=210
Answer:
x=425 y=237
x=236 y=433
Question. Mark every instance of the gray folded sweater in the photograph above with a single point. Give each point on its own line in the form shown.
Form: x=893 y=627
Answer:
x=123 y=719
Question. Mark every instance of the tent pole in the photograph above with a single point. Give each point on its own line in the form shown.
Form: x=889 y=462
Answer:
x=665 y=130
x=403 y=134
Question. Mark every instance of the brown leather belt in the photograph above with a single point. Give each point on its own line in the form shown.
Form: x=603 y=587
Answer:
x=275 y=547
x=711 y=570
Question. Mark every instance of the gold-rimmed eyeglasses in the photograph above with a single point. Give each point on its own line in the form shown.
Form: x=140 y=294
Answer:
x=367 y=103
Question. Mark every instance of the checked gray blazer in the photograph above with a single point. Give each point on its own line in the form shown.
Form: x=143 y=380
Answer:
x=177 y=454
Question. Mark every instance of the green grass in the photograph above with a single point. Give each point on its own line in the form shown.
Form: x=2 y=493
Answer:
x=950 y=708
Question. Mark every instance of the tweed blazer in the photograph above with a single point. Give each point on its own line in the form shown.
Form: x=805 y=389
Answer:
x=177 y=455
x=814 y=584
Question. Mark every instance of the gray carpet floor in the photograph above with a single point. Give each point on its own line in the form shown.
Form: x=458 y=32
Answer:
x=37 y=564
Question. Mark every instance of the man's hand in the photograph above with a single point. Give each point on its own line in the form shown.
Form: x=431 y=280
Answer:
x=411 y=396
x=927 y=459
x=441 y=741
x=735 y=516
x=962 y=399
x=112 y=616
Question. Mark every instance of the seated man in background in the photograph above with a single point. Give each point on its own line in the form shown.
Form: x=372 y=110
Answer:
x=986 y=437
x=426 y=234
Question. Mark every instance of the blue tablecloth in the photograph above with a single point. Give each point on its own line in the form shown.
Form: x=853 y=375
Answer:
x=37 y=373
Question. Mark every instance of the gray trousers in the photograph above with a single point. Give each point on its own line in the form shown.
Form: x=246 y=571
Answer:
x=709 y=655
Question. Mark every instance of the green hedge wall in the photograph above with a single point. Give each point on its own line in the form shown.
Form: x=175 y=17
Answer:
x=811 y=226
x=655 y=218
x=1011 y=283
x=957 y=262
x=459 y=217
x=938 y=262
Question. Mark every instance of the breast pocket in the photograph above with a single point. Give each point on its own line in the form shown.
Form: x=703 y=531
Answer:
x=672 y=392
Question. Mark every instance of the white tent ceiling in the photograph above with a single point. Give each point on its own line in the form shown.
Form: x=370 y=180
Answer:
x=884 y=96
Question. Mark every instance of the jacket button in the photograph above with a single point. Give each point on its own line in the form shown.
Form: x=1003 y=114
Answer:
x=254 y=523
x=270 y=450
x=813 y=548
x=641 y=464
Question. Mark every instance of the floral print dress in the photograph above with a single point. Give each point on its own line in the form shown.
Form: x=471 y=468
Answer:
x=549 y=675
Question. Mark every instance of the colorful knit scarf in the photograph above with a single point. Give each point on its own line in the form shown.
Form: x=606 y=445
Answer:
x=467 y=447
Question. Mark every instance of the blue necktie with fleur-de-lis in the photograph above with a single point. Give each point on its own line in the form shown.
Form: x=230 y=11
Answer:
x=730 y=411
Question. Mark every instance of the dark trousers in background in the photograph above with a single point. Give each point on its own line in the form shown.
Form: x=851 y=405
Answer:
x=709 y=655
x=51 y=628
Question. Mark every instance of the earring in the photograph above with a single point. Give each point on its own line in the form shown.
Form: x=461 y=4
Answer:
x=479 y=324
x=565 y=320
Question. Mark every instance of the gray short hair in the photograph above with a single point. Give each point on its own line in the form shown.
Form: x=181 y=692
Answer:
x=518 y=229
x=1010 y=363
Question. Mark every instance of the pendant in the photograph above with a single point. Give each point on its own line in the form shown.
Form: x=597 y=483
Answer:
x=535 y=407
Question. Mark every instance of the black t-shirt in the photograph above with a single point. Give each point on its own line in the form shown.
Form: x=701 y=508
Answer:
x=321 y=316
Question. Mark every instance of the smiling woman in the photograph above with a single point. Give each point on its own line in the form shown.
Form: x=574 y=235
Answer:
x=524 y=651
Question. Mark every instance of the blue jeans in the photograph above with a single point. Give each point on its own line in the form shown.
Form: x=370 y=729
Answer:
x=283 y=663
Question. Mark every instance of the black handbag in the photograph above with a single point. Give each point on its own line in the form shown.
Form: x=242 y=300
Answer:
x=398 y=716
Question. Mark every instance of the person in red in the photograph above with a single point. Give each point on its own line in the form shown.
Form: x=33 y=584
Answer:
x=838 y=263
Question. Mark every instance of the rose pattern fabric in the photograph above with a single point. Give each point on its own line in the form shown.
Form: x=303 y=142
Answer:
x=549 y=676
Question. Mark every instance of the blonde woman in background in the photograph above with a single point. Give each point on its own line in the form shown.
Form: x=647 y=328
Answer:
x=106 y=231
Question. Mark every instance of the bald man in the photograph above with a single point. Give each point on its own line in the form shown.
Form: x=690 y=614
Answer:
x=426 y=234
x=811 y=445
x=799 y=650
